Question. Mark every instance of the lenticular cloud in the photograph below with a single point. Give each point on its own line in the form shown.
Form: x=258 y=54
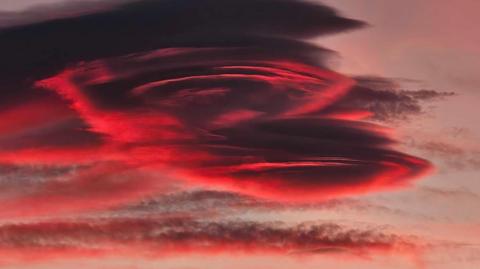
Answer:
x=231 y=97
x=234 y=118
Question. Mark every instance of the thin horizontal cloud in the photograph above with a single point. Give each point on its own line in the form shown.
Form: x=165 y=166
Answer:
x=159 y=237
x=451 y=153
x=221 y=204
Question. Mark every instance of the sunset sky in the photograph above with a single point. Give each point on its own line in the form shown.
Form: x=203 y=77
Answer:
x=263 y=134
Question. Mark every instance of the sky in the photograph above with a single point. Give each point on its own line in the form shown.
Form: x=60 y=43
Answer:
x=239 y=134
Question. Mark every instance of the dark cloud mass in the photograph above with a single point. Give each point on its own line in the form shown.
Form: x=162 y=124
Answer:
x=220 y=93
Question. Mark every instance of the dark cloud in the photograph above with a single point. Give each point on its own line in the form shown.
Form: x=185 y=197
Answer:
x=39 y=50
x=385 y=99
x=171 y=235
x=205 y=92
x=220 y=202
x=254 y=121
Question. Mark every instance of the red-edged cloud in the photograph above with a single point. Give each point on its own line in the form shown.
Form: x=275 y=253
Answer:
x=155 y=95
x=253 y=125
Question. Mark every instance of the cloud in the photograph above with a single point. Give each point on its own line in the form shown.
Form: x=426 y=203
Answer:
x=251 y=125
x=67 y=189
x=384 y=100
x=450 y=193
x=167 y=236
x=227 y=94
x=452 y=154
x=207 y=204
x=153 y=24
